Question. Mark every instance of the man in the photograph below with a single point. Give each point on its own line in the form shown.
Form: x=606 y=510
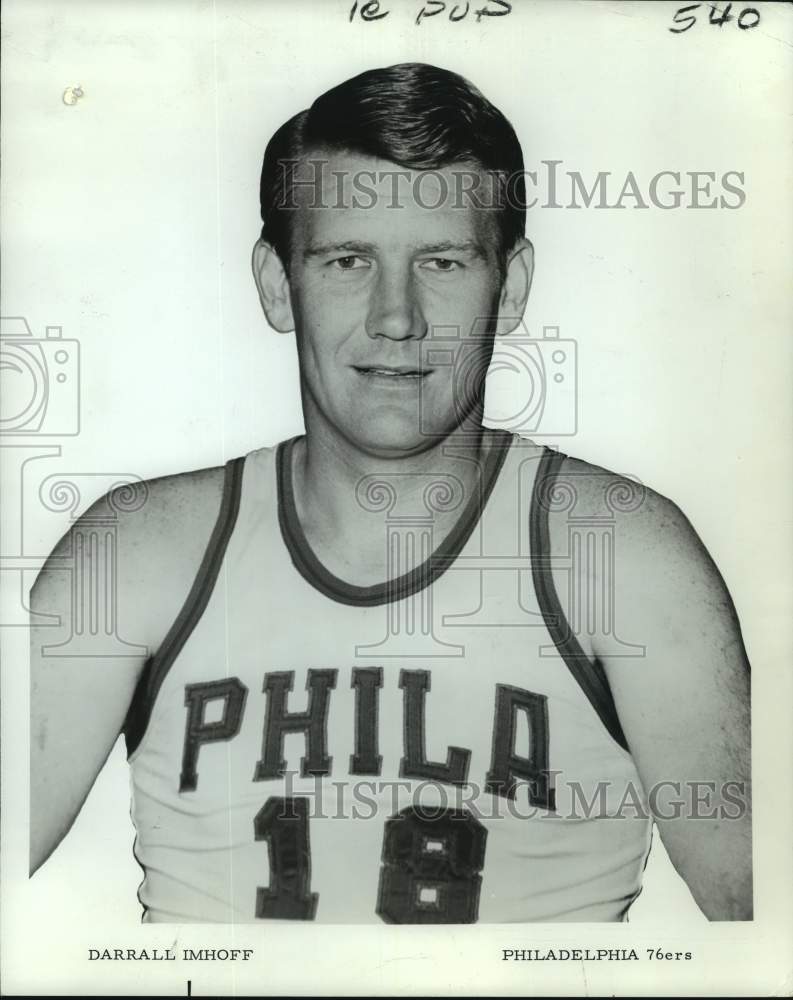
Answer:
x=373 y=692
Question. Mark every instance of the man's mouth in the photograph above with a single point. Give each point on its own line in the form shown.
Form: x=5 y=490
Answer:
x=403 y=372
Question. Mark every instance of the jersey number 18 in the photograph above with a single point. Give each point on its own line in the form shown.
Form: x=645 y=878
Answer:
x=431 y=871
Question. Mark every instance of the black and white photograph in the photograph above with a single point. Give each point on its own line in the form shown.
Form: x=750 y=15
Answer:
x=396 y=490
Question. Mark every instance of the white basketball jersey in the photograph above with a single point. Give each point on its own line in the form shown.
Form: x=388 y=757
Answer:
x=437 y=749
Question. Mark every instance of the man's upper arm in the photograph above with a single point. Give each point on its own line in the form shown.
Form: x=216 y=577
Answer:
x=684 y=705
x=135 y=575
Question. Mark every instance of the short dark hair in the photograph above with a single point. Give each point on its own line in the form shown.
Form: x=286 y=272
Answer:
x=418 y=116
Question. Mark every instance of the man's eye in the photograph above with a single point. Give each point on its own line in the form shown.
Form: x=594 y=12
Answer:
x=441 y=264
x=350 y=263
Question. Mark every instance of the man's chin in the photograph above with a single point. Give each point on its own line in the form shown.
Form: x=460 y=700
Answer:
x=394 y=442
x=393 y=435
x=391 y=450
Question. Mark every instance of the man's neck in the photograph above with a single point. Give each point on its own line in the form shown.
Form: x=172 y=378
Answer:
x=344 y=496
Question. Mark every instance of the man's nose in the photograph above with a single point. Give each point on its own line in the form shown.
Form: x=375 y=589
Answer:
x=395 y=312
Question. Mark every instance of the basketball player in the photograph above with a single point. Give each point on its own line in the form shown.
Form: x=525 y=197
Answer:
x=373 y=693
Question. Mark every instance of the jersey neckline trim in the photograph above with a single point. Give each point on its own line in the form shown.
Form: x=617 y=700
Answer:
x=390 y=591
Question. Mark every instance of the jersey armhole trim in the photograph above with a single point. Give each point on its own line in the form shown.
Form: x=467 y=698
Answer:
x=159 y=664
x=589 y=675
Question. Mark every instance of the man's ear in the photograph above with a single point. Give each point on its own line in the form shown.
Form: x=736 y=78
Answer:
x=517 y=283
x=273 y=286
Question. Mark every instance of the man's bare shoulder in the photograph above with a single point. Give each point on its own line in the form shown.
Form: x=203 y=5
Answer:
x=179 y=503
x=644 y=518
x=659 y=573
x=145 y=512
x=636 y=541
x=160 y=531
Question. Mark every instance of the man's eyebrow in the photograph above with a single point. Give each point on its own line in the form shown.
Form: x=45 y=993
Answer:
x=347 y=246
x=466 y=246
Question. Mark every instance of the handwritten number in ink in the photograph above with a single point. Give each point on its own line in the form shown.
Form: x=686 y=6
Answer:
x=691 y=19
x=748 y=10
x=720 y=17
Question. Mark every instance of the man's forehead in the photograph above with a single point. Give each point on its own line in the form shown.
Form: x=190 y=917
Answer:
x=339 y=167
x=349 y=195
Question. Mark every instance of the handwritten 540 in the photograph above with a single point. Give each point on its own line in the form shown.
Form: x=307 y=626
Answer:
x=373 y=10
x=749 y=17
